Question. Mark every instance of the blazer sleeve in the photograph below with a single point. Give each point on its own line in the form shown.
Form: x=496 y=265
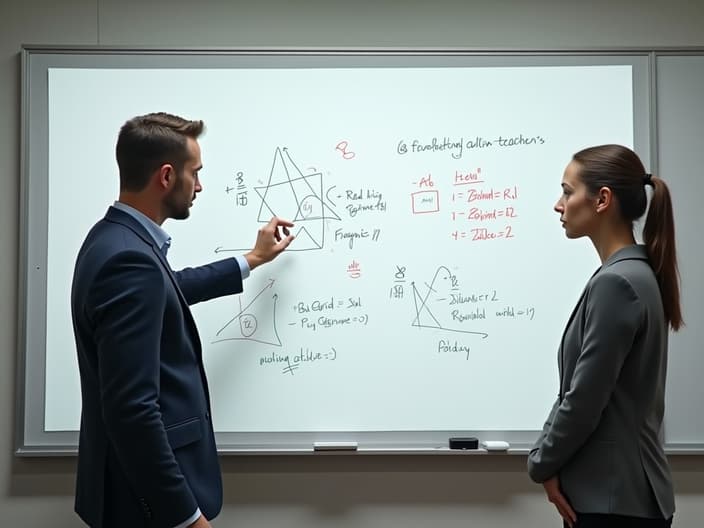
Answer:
x=545 y=431
x=613 y=314
x=126 y=307
x=213 y=280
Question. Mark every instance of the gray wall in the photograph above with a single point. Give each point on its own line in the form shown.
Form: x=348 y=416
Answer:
x=347 y=491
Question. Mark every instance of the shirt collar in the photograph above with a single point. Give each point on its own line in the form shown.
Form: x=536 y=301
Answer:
x=159 y=236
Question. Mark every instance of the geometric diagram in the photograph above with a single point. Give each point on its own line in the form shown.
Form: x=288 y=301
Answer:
x=256 y=321
x=298 y=197
x=425 y=318
x=300 y=359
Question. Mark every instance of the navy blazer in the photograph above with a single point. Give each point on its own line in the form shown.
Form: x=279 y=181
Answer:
x=604 y=435
x=146 y=454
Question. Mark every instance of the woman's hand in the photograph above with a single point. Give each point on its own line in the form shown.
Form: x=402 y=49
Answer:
x=552 y=489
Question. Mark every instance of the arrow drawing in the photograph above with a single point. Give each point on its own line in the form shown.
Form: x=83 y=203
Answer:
x=250 y=317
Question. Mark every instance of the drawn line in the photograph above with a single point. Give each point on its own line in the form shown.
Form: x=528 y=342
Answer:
x=271 y=283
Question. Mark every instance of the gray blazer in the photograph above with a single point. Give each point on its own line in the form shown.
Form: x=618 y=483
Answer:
x=604 y=437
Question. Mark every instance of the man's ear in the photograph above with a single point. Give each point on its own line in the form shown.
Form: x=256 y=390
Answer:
x=603 y=199
x=166 y=175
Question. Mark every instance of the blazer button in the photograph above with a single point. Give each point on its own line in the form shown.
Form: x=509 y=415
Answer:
x=207 y=416
x=145 y=508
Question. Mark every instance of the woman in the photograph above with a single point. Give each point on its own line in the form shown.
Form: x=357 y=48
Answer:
x=600 y=456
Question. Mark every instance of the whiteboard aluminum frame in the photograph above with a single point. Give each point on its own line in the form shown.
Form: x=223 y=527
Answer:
x=31 y=438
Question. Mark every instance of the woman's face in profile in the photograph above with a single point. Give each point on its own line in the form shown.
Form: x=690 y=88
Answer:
x=577 y=208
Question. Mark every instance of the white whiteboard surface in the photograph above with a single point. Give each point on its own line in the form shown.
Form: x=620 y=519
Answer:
x=430 y=280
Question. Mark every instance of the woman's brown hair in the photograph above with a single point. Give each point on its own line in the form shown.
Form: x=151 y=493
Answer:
x=621 y=170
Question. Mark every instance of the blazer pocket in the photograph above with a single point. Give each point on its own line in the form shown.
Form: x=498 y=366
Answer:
x=184 y=433
x=588 y=478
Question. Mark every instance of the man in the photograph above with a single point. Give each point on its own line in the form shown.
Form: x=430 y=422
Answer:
x=147 y=454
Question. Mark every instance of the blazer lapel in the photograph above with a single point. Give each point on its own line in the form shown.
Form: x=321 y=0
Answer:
x=560 y=356
x=186 y=309
x=120 y=217
x=636 y=252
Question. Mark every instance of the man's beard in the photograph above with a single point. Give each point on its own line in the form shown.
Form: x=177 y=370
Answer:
x=175 y=205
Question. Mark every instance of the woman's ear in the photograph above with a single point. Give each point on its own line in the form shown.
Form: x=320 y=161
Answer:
x=604 y=199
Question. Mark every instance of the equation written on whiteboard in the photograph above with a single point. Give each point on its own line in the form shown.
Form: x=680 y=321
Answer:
x=479 y=210
x=318 y=314
x=290 y=363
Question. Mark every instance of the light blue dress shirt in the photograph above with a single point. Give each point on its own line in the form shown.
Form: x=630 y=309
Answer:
x=162 y=238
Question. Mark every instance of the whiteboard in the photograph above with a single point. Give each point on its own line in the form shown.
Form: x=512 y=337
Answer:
x=430 y=280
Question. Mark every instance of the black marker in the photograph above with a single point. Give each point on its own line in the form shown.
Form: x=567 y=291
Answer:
x=469 y=442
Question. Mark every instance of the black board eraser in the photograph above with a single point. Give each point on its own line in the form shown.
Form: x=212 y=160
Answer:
x=464 y=443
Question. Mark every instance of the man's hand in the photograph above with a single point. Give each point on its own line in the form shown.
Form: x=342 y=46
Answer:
x=552 y=489
x=272 y=239
x=201 y=522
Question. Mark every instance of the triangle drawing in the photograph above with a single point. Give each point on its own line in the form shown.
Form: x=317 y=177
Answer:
x=254 y=322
